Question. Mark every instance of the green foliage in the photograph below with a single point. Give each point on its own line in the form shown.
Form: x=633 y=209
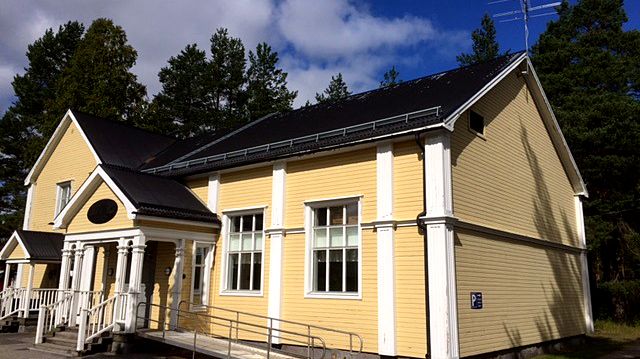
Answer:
x=485 y=47
x=228 y=78
x=98 y=79
x=184 y=105
x=618 y=300
x=337 y=90
x=590 y=69
x=391 y=77
x=267 y=84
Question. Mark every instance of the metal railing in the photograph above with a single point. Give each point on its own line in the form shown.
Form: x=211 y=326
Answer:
x=315 y=344
x=99 y=319
x=310 y=329
x=11 y=301
x=52 y=315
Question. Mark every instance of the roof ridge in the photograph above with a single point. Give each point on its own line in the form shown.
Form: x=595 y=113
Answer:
x=124 y=124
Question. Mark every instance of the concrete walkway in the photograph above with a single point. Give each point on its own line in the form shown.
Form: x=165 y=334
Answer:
x=210 y=346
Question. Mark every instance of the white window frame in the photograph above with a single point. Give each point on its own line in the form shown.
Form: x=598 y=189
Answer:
x=484 y=124
x=226 y=226
x=59 y=186
x=205 y=276
x=308 y=268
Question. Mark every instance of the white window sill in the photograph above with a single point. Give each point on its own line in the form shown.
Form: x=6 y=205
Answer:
x=333 y=295
x=242 y=293
x=198 y=308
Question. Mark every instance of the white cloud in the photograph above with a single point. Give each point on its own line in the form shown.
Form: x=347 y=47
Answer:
x=315 y=39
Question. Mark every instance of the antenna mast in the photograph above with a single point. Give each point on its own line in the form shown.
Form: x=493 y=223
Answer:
x=525 y=12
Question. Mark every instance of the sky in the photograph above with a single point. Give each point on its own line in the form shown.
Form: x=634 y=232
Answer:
x=314 y=39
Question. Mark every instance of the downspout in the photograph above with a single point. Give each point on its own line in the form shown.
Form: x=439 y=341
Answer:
x=423 y=228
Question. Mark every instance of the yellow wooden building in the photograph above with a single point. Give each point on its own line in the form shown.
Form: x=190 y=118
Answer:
x=438 y=217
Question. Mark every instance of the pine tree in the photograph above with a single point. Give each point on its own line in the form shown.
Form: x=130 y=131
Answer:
x=98 y=79
x=267 y=84
x=184 y=105
x=485 y=47
x=228 y=79
x=336 y=91
x=390 y=78
x=590 y=69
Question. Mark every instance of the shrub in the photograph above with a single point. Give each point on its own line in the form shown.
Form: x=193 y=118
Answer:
x=618 y=301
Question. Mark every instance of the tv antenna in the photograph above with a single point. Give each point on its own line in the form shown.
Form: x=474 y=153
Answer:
x=525 y=12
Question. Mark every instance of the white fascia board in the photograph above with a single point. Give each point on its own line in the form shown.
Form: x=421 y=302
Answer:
x=53 y=142
x=556 y=134
x=9 y=246
x=450 y=121
x=84 y=193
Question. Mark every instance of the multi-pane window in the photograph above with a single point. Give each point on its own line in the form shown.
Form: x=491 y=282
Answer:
x=244 y=252
x=335 y=245
x=199 y=273
x=63 y=196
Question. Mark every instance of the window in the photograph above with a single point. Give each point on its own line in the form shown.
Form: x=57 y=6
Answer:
x=335 y=246
x=63 y=195
x=476 y=122
x=244 y=252
x=200 y=277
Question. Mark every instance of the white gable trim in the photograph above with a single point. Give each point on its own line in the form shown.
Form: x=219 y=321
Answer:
x=82 y=195
x=53 y=143
x=9 y=246
x=546 y=112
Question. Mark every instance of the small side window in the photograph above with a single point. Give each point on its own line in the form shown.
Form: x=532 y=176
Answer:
x=63 y=195
x=476 y=122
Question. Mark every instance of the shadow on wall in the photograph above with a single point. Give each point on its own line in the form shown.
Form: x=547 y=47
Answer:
x=563 y=316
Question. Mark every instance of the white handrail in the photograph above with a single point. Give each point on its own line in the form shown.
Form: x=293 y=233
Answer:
x=11 y=301
x=99 y=319
x=52 y=315
x=42 y=296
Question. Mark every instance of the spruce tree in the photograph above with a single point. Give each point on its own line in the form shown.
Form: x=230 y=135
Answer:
x=183 y=106
x=228 y=79
x=98 y=79
x=589 y=66
x=485 y=47
x=267 y=84
x=336 y=91
x=390 y=78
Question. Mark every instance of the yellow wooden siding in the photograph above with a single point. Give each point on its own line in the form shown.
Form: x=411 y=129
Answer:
x=530 y=294
x=338 y=175
x=200 y=188
x=163 y=284
x=45 y=275
x=80 y=222
x=513 y=180
x=98 y=267
x=17 y=253
x=247 y=188
x=110 y=262
x=72 y=160
x=175 y=226
x=411 y=310
x=407 y=181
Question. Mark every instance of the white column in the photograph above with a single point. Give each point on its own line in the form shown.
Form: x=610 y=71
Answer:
x=276 y=238
x=27 y=208
x=121 y=265
x=27 y=295
x=176 y=291
x=18 y=283
x=135 y=282
x=88 y=263
x=586 y=286
x=75 y=283
x=385 y=228
x=443 y=311
x=212 y=193
x=7 y=269
x=65 y=268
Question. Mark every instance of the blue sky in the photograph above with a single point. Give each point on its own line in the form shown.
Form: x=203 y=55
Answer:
x=315 y=39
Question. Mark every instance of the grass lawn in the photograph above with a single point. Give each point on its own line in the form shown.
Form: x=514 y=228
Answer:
x=608 y=337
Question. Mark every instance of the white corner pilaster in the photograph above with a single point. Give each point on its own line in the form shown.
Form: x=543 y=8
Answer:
x=135 y=282
x=276 y=238
x=121 y=265
x=88 y=262
x=441 y=270
x=18 y=282
x=586 y=286
x=213 y=191
x=75 y=281
x=27 y=208
x=385 y=228
x=7 y=270
x=176 y=291
x=27 y=300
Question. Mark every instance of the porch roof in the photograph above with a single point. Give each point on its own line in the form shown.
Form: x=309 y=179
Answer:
x=37 y=246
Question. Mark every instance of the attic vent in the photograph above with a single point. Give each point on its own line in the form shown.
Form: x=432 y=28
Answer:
x=476 y=122
x=102 y=211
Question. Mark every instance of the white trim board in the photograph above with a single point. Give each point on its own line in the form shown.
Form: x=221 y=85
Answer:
x=6 y=249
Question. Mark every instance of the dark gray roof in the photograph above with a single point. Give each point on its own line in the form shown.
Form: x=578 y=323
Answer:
x=42 y=245
x=119 y=144
x=270 y=138
x=159 y=196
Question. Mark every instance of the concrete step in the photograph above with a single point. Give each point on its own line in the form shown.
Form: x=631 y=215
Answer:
x=51 y=348
x=61 y=340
